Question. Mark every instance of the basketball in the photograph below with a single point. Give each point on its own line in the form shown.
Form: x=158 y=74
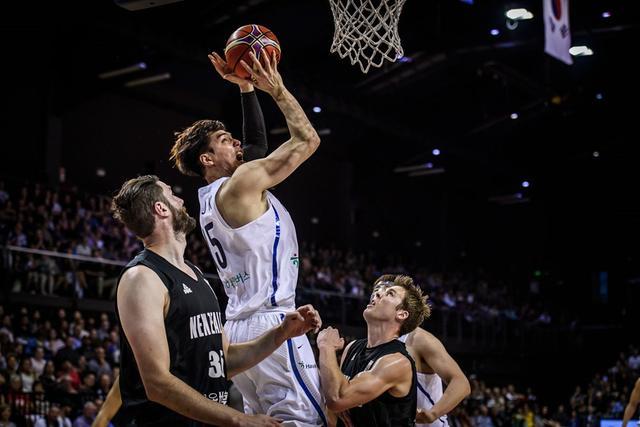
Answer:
x=246 y=39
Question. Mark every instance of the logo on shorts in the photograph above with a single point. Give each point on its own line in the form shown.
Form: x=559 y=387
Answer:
x=307 y=365
x=186 y=289
x=295 y=260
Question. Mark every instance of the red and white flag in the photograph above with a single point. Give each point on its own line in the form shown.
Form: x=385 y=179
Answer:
x=557 y=40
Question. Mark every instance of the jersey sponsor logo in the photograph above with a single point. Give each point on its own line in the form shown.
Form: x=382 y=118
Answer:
x=205 y=324
x=186 y=289
x=218 y=396
x=303 y=365
x=236 y=280
x=295 y=260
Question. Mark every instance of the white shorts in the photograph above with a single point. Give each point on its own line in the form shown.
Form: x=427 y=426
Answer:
x=285 y=385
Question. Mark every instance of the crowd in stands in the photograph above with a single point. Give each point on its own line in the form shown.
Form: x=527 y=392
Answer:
x=472 y=293
x=604 y=397
x=56 y=367
x=70 y=222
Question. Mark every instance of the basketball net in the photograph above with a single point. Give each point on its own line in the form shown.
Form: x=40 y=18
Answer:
x=367 y=31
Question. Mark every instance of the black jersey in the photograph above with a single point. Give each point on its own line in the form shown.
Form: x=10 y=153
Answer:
x=385 y=410
x=194 y=334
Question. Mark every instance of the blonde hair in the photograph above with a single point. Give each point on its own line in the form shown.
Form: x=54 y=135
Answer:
x=414 y=302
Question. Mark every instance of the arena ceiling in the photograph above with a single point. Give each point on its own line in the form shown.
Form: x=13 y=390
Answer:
x=457 y=92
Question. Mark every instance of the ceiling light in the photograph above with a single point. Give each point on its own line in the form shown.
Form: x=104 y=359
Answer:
x=580 y=51
x=120 y=71
x=520 y=14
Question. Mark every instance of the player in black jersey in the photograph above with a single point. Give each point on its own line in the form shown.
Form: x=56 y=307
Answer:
x=376 y=382
x=175 y=358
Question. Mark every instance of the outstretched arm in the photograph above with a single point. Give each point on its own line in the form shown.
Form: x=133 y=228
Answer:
x=242 y=356
x=252 y=178
x=632 y=406
x=433 y=352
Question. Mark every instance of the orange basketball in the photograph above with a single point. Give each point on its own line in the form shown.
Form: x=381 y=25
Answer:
x=250 y=38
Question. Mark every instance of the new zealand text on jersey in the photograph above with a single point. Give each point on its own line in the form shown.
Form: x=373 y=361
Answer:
x=205 y=324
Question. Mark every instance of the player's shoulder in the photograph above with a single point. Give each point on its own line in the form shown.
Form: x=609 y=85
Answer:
x=420 y=337
x=139 y=277
x=392 y=365
x=242 y=178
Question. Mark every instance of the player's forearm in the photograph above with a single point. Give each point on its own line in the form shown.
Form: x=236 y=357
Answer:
x=629 y=410
x=298 y=123
x=176 y=395
x=457 y=390
x=241 y=357
x=331 y=377
x=110 y=406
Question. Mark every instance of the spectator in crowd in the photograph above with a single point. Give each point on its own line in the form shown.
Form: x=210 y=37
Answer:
x=634 y=360
x=53 y=344
x=482 y=418
x=99 y=365
x=88 y=415
x=27 y=376
x=53 y=418
x=41 y=404
x=38 y=361
x=67 y=353
x=104 y=385
x=15 y=397
x=5 y=416
x=48 y=377
x=87 y=388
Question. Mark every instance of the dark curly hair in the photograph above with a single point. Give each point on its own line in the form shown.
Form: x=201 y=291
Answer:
x=192 y=142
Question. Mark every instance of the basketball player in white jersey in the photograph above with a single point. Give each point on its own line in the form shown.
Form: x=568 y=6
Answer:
x=433 y=364
x=253 y=242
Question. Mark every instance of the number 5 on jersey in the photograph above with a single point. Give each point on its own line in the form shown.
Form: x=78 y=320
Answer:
x=216 y=248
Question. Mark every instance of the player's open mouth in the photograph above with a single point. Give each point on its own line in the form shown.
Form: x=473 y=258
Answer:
x=239 y=155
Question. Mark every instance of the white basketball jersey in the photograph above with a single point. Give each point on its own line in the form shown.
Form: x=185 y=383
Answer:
x=429 y=392
x=258 y=262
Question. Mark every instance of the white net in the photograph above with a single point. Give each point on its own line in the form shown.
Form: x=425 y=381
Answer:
x=367 y=31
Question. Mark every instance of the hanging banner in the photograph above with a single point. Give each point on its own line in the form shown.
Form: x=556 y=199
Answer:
x=557 y=34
